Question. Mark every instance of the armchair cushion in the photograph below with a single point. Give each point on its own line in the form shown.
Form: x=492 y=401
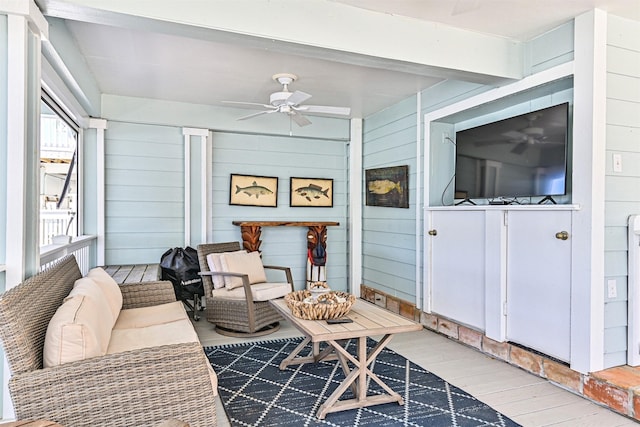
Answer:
x=215 y=265
x=260 y=292
x=248 y=263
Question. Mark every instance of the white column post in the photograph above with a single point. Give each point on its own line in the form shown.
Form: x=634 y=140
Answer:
x=25 y=28
x=204 y=182
x=355 y=207
x=206 y=188
x=100 y=125
x=589 y=147
x=419 y=207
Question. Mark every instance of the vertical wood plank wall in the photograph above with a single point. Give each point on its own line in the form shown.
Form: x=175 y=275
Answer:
x=622 y=189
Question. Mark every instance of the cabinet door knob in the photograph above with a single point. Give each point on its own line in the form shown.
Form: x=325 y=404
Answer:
x=433 y=232
x=562 y=235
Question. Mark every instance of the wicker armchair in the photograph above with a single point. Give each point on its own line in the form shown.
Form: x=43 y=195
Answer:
x=234 y=317
x=133 y=388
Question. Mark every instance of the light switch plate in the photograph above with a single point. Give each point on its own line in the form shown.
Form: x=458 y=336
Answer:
x=612 y=290
x=617 y=163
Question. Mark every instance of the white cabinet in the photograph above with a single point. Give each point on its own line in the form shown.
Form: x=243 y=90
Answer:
x=505 y=270
x=539 y=281
x=457 y=266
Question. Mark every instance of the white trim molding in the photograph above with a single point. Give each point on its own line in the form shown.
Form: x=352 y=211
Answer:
x=589 y=129
x=100 y=125
x=205 y=180
x=419 y=205
x=355 y=207
x=28 y=10
x=26 y=27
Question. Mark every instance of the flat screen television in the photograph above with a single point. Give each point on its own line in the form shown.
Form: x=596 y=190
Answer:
x=521 y=156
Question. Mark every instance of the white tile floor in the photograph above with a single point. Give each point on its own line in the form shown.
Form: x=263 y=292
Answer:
x=525 y=398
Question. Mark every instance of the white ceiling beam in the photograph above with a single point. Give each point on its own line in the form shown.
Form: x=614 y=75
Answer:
x=316 y=28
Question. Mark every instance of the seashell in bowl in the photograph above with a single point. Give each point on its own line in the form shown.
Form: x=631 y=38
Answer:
x=316 y=292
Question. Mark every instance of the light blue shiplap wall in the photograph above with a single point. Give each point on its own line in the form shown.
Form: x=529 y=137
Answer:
x=283 y=157
x=389 y=139
x=145 y=181
x=388 y=234
x=622 y=189
x=144 y=200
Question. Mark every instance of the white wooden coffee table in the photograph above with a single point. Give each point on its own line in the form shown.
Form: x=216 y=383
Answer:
x=368 y=320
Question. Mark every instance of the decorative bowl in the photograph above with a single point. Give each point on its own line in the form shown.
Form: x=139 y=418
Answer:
x=329 y=305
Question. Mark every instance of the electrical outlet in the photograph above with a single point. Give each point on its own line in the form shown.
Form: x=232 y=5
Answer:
x=612 y=289
x=617 y=162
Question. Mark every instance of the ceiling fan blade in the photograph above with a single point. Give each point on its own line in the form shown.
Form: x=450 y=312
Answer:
x=250 y=104
x=520 y=148
x=484 y=143
x=323 y=109
x=514 y=134
x=300 y=119
x=256 y=114
x=297 y=97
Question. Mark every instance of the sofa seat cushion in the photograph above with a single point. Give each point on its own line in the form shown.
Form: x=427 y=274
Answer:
x=152 y=315
x=179 y=331
x=260 y=291
x=176 y=332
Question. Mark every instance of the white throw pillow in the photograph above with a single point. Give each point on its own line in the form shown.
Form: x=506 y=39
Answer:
x=215 y=265
x=110 y=288
x=245 y=263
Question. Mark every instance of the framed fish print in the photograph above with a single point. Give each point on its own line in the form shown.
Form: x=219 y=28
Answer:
x=251 y=190
x=387 y=187
x=311 y=192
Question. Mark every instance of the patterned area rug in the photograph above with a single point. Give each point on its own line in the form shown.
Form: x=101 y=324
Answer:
x=255 y=392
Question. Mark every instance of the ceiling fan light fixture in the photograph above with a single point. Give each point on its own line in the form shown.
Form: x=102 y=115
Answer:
x=279 y=98
x=533 y=131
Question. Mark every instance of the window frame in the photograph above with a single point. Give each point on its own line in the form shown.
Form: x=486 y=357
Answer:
x=65 y=115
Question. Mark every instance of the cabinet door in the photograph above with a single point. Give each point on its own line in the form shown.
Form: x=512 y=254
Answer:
x=457 y=266
x=539 y=281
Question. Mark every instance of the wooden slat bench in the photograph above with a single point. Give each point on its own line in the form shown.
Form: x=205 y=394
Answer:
x=134 y=273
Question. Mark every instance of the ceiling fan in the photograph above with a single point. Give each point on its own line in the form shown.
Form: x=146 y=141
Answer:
x=528 y=136
x=290 y=103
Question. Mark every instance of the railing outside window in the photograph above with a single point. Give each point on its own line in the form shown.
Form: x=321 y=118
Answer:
x=79 y=246
x=56 y=223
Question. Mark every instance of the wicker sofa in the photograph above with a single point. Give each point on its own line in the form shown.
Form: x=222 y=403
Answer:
x=137 y=386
